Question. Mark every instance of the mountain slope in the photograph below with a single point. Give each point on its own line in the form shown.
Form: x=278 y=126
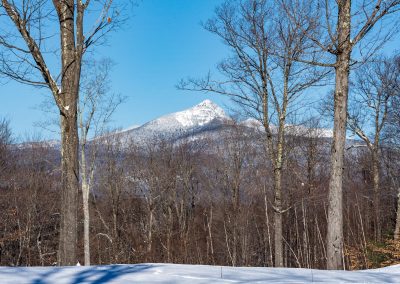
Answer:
x=204 y=116
x=205 y=120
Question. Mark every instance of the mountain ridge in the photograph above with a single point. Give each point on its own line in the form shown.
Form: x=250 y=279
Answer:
x=200 y=117
x=205 y=119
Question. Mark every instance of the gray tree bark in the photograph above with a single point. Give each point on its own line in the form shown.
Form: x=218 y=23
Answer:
x=71 y=56
x=340 y=44
x=335 y=203
x=397 y=228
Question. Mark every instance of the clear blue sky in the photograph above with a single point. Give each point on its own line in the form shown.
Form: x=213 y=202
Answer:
x=162 y=43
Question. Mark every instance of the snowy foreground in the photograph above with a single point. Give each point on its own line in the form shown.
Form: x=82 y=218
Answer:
x=193 y=274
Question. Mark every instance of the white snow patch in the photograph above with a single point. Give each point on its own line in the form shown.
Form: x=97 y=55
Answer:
x=291 y=129
x=200 y=114
x=193 y=274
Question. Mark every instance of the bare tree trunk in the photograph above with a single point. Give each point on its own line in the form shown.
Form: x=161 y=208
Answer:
x=228 y=249
x=71 y=71
x=278 y=234
x=150 y=232
x=169 y=233
x=86 y=221
x=278 y=237
x=397 y=228
x=376 y=178
x=305 y=238
x=236 y=216
x=335 y=205
x=267 y=226
x=85 y=194
x=210 y=237
x=70 y=14
x=278 y=164
x=396 y=235
x=70 y=185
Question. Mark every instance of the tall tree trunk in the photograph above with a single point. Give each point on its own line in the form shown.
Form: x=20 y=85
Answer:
x=71 y=67
x=278 y=237
x=267 y=233
x=70 y=185
x=236 y=215
x=86 y=224
x=335 y=205
x=278 y=234
x=85 y=193
x=86 y=216
x=278 y=164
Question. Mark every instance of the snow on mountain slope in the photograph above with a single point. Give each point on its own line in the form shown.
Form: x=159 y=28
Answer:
x=205 y=120
x=291 y=129
x=196 y=116
x=192 y=274
x=180 y=123
x=200 y=114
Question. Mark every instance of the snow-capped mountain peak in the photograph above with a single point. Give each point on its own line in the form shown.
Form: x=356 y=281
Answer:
x=205 y=119
x=207 y=104
x=200 y=114
x=199 y=117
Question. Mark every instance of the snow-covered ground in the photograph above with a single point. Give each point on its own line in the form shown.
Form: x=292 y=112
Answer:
x=193 y=274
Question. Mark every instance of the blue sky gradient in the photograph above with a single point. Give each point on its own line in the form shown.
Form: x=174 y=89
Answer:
x=162 y=42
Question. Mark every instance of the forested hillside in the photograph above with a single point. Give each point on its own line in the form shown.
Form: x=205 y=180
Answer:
x=202 y=201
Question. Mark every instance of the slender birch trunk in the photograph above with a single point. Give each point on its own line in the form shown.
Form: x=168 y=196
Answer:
x=85 y=199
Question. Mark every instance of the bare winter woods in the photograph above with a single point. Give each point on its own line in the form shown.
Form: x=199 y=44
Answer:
x=271 y=195
x=200 y=203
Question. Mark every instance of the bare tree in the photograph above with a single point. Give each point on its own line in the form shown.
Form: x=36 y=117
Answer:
x=393 y=134
x=23 y=57
x=368 y=108
x=5 y=141
x=95 y=108
x=263 y=76
x=234 y=153
x=341 y=28
x=207 y=201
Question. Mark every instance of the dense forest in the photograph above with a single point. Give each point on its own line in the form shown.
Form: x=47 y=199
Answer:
x=279 y=194
x=201 y=202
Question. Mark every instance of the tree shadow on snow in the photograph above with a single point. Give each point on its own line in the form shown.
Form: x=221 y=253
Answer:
x=104 y=274
x=93 y=274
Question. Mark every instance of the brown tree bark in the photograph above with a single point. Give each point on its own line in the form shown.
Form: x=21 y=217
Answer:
x=335 y=205
x=70 y=186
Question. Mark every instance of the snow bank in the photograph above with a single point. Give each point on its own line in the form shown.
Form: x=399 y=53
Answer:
x=193 y=274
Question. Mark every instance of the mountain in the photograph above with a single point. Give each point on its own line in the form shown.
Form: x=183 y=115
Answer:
x=205 y=120
x=205 y=116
